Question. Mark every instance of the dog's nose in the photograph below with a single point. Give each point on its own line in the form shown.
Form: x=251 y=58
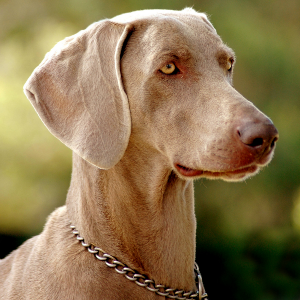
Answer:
x=259 y=136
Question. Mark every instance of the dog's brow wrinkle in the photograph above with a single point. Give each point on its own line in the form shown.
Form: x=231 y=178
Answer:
x=176 y=53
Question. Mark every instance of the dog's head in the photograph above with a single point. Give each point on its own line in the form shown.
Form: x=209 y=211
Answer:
x=163 y=78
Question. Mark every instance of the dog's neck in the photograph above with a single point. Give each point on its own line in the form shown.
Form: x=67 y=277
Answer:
x=140 y=212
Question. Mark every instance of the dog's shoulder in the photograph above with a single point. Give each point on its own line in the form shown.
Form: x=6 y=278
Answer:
x=33 y=260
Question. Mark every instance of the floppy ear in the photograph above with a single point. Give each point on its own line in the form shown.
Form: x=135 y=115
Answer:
x=78 y=93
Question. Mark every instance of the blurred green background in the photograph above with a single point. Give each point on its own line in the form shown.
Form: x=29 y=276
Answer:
x=248 y=239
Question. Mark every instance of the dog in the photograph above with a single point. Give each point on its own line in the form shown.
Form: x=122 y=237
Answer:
x=146 y=103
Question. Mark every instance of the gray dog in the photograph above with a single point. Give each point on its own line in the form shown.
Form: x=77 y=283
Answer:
x=146 y=103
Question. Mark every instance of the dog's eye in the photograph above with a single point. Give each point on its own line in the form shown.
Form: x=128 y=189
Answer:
x=168 y=68
x=229 y=64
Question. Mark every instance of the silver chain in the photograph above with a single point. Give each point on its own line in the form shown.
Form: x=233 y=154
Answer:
x=142 y=280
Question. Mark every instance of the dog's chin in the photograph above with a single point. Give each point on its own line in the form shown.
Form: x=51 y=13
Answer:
x=230 y=175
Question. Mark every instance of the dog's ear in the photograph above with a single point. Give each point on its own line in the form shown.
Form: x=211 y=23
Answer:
x=78 y=93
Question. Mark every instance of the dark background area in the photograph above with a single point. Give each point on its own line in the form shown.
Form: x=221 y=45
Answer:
x=248 y=235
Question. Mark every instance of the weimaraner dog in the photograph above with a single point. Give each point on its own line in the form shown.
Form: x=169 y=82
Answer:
x=146 y=103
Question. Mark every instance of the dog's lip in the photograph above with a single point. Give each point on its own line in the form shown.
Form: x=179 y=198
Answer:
x=189 y=172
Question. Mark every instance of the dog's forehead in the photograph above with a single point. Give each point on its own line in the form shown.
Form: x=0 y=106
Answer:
x=160 y=28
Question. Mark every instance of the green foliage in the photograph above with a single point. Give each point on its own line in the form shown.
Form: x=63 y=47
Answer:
x=263 y=266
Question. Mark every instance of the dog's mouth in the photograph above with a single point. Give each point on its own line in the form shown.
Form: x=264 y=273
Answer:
x=237 y=174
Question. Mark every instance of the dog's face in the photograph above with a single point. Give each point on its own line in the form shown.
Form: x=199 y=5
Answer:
x=177 y=74
x=161 y=78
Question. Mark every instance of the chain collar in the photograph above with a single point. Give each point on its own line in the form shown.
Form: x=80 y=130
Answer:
x=142 y=280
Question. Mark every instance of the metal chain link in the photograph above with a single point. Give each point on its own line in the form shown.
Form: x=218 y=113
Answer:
x=142 y=280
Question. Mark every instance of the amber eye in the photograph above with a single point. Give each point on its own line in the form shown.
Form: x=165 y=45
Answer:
x=229 y=64
x=168 y=68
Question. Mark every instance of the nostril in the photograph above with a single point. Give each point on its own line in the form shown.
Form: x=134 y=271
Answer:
x=256 y=142
x=248 y=139
x=273 y=142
